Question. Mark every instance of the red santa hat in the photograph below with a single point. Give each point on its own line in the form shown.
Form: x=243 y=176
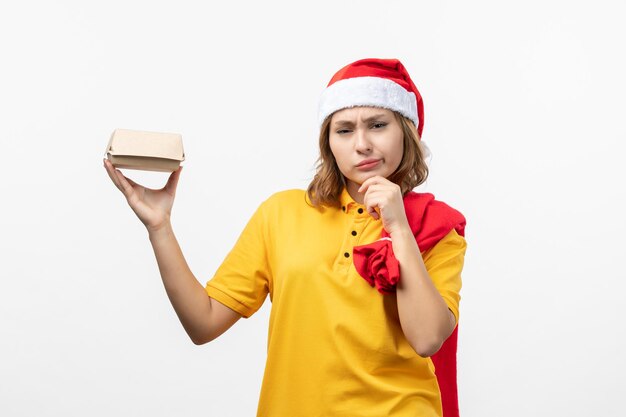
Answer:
x=373 y=82
x=378 y=83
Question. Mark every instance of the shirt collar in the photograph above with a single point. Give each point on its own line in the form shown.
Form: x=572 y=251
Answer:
x=347 y=202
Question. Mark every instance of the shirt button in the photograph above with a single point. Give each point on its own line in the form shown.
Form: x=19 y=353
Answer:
x=353 y=233
x=360 y=210
x=347 y=255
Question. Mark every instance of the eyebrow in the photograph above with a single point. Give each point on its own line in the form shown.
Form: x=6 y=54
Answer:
x=366 y=120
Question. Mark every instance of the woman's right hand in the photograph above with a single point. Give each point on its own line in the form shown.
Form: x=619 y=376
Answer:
x=153 y=207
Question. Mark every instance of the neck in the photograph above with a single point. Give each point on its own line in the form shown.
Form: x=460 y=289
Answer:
x=352 y=188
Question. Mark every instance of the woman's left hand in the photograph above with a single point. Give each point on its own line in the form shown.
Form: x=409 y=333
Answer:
x=383 y=198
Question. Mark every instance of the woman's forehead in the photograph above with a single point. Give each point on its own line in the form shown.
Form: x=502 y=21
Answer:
x=363 y=113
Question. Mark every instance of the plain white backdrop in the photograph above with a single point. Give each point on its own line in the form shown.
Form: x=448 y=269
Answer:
x=524 y=110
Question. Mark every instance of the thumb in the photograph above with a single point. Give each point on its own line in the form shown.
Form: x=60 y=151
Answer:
x=172 y=181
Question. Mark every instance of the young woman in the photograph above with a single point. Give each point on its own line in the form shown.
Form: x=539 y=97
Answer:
x=363 y=273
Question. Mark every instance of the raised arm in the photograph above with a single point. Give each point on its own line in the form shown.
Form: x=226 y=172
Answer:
x=202 y=317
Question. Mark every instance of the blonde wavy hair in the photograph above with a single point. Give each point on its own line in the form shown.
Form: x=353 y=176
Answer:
x=328 y=182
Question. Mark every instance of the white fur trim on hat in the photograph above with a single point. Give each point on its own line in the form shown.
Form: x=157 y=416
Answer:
x=367 y=91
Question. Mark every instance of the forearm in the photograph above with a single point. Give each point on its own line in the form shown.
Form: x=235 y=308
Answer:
x=188 y=297
x=424 y=316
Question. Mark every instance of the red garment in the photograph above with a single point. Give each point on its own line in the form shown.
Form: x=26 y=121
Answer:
x=430 y=220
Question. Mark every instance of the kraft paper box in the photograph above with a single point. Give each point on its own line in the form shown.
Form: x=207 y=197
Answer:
x=146 y=151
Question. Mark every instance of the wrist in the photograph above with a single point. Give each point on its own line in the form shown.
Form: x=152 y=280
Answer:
x=160 y=231
x=401 y=232
x=403 y=239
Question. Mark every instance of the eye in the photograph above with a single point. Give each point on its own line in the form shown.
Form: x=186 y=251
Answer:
x=342 y=131
x=379 y=125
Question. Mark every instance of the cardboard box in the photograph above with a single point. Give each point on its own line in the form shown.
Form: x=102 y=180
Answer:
x=146 y=151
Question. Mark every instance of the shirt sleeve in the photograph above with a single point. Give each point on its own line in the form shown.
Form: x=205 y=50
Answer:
x=243 y=280
x=444 y=263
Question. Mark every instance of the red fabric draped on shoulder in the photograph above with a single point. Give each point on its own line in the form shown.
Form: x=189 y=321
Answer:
x=430 y=220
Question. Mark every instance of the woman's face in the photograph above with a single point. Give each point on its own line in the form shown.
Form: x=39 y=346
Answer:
x=366 y=141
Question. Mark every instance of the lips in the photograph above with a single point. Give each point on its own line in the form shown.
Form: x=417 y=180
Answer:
x=368 y=163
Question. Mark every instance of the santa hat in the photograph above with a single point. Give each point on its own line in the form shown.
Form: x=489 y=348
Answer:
x=378 y=83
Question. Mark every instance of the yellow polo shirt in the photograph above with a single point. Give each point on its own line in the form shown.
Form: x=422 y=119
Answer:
x=335 y=345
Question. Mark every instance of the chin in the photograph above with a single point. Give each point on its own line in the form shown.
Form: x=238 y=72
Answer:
x=367 y=175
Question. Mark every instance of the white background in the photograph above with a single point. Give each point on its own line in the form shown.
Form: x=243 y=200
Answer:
x=524 y=111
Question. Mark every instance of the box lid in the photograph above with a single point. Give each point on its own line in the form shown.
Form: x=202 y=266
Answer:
x=142 y=143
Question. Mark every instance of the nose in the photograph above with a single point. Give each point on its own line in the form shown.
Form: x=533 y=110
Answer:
x=362 y=141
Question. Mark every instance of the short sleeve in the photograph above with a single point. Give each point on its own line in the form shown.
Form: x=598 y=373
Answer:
x=243 y=280
x=444 y=263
